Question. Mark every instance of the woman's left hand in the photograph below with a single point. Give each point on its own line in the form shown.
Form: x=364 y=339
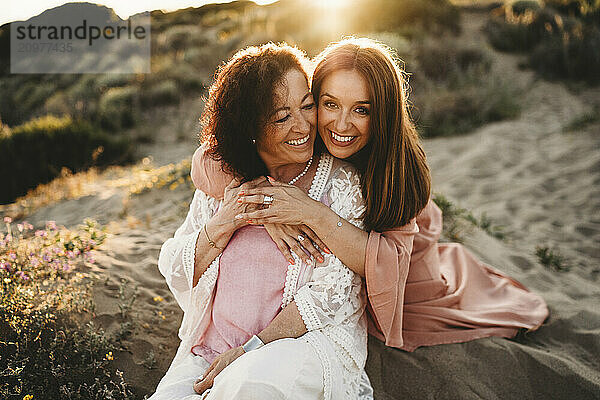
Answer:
x=218 y=365
x=290 y=205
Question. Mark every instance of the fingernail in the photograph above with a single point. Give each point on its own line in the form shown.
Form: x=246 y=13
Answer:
x=321 y=259
x=326 y=250
x=241 y=193
x=250 y=221
x=239 y=216
x=291 y=260
x=239 y=200
x=271 y=179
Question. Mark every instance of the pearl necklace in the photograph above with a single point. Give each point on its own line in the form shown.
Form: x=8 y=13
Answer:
x=302 y=173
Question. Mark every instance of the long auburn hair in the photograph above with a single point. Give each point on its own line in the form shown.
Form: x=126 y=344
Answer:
x=395 y=177
x=240 y=101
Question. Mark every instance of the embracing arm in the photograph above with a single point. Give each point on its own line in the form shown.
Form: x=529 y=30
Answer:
x=208 y=176
x=292 y=206
x=177 y=261
x=207 y=228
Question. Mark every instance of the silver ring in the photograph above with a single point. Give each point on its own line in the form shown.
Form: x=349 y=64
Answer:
x=267 y=200
x=301 y=238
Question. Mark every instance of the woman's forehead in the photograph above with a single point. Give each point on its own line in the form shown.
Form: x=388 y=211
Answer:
x=291 y=89
x=347 y=84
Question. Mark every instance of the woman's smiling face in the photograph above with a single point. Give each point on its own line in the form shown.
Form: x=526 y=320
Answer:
x=291 y=130
x=344 y=113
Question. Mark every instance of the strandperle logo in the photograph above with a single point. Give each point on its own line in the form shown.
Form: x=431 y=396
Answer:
x=81 y=38
x=81 y=32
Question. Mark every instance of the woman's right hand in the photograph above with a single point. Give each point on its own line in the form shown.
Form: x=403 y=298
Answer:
x=231 y=206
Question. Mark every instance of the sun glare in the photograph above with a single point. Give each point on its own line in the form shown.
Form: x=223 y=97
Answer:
x=331 y=5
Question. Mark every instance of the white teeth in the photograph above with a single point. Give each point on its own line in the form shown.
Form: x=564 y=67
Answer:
x=341 y=138
x=298 y=142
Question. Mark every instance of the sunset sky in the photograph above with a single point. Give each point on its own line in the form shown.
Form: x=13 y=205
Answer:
x=21 y=10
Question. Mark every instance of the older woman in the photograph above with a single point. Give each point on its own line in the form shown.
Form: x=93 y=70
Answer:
x=229 y=278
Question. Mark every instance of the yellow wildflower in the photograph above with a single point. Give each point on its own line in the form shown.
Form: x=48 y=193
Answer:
x=158 y=299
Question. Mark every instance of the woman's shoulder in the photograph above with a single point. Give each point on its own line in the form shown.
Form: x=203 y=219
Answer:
x=207 y=174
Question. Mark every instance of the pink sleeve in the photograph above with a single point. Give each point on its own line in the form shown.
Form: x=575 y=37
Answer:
x=386 y=269
x=207 y=174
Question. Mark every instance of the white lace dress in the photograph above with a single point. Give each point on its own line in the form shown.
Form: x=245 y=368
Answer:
x=329 y=296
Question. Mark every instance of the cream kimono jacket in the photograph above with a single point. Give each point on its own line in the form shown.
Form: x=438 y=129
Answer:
x=330 y=297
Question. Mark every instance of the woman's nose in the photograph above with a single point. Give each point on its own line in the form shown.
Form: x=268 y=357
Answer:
x=341 y=122
x=302 y=125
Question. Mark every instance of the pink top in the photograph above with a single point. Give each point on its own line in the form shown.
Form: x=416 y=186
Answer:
x=421 y=292
x=248 y=292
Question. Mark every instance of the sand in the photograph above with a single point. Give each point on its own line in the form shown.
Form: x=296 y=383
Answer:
x=529 y=175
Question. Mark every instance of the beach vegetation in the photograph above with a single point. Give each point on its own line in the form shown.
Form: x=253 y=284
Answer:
x=561 y=38
x=458 y=221
x=37 y=151
x=50 y=349
x=552 y=259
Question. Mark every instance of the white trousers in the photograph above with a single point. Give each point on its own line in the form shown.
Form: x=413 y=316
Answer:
x=283 y=369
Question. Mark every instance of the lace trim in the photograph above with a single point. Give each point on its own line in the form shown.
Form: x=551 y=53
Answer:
x=208 y=206
x=188 y=256
x=320 y=179
x=325 y=362
x=308 y=314
x=351 y=356
x=291 y=281
x=352 y=384
x=209 y=277
x=199 y=297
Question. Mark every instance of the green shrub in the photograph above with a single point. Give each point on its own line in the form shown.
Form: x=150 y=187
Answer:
x=33 y=94
x=509 y=32
x=458 y=221
x=575 y=8
x=164 y=92
x=35 y=152
x=107 y=81
x=551 y=258
x=562 y=39
x=429 y=15
x=118 y=108
x=520 y=7
x=574 y=56
x=470 y=102
x=46 y=351
x=445 y=60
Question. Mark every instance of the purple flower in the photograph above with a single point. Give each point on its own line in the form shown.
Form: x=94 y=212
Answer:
x=22 y=275
x=51 y=225
x=13 y=256
x=5 y=266
x=46 y=258
x=40 y=233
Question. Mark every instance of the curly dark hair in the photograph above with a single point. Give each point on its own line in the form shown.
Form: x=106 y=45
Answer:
x=240 y=102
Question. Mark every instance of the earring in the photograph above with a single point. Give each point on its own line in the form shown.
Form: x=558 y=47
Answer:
x=253 y=141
